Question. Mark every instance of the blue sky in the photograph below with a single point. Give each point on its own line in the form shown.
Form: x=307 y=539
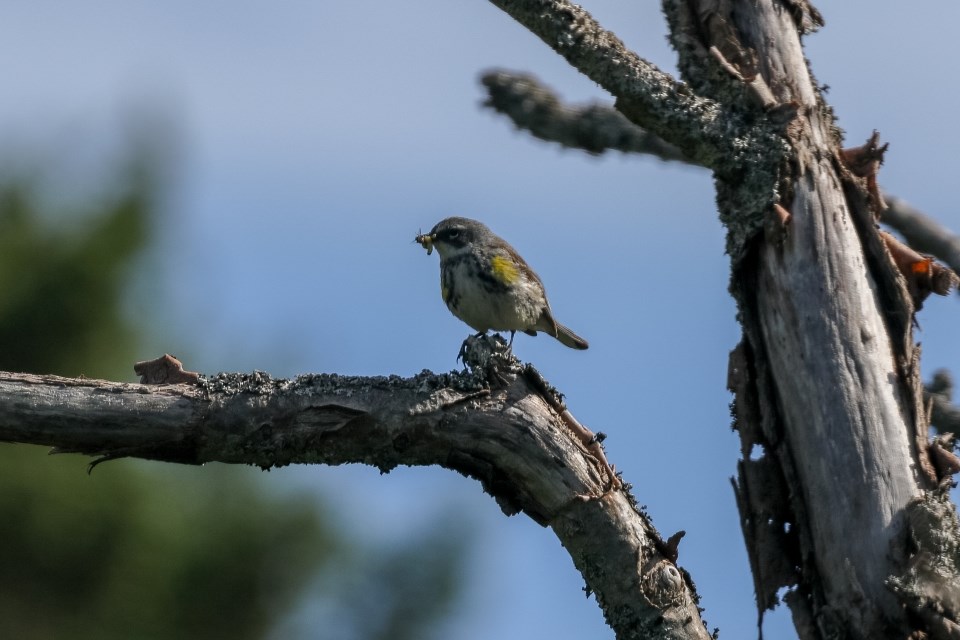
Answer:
x=313 y=139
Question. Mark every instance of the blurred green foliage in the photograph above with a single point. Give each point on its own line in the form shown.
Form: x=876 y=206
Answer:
x=146 y=550
x=122 y=555
x=402 y=591
x=61 y=284
x=127 y=552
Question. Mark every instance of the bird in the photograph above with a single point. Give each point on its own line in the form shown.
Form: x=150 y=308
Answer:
x=488 y=285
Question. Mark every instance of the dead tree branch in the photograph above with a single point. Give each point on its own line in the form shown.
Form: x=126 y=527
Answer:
x=922 y=232
x=593 y=128
x=944 y=415
x=511 y=439
x=645 y=94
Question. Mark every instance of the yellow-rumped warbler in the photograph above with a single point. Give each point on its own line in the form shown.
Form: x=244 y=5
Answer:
x=486 y=283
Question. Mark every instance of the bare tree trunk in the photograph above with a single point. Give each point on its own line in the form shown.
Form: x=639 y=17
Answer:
x=835 y=397
x=826 y=378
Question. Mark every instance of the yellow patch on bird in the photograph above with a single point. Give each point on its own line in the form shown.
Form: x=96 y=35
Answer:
x=444 y=292
x=504 y=269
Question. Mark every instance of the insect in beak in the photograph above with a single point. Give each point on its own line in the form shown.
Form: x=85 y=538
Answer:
x=426 y=241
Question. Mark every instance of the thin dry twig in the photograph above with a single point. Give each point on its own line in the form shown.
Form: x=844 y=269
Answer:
x=594 y=128
x=922 y=232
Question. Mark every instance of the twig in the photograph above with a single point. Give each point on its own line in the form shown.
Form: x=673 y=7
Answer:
x=922 y=232
x=944 y=415
x=645 y=94
x=594 y=128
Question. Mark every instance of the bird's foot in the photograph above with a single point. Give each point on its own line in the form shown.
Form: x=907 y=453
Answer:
x=467 y=347
x=489 y=354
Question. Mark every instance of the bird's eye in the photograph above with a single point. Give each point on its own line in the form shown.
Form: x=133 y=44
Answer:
x=454 y=234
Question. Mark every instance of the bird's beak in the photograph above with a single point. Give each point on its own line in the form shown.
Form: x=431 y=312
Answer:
x=425 y=240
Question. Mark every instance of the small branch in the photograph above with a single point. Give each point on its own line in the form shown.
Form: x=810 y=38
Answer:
x=864 y=162
x=645 y=94
x=510 y=438
x=594 y=128
x=922 y=232
x=922 y=274
x=944 y=415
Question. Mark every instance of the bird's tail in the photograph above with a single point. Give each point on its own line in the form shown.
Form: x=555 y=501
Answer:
x=569 y=338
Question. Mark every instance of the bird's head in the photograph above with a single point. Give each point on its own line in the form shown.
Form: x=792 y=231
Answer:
x=451 y=236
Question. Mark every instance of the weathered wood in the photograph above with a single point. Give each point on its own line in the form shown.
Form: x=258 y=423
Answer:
x=827 y=381
x=509 y=438
x=846 y=402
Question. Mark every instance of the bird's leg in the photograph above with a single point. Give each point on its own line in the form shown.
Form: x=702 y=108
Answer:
x=510 y=344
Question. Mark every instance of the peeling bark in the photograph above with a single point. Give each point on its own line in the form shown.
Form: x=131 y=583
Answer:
x=828 y=371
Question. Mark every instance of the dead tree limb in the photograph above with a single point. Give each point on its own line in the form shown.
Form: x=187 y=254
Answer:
x=594 y=128
x=597 y=128
x=696 y=125
x=509 y=438
x=922 y=232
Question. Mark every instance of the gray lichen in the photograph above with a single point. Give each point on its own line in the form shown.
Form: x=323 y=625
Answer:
x=930 y=585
